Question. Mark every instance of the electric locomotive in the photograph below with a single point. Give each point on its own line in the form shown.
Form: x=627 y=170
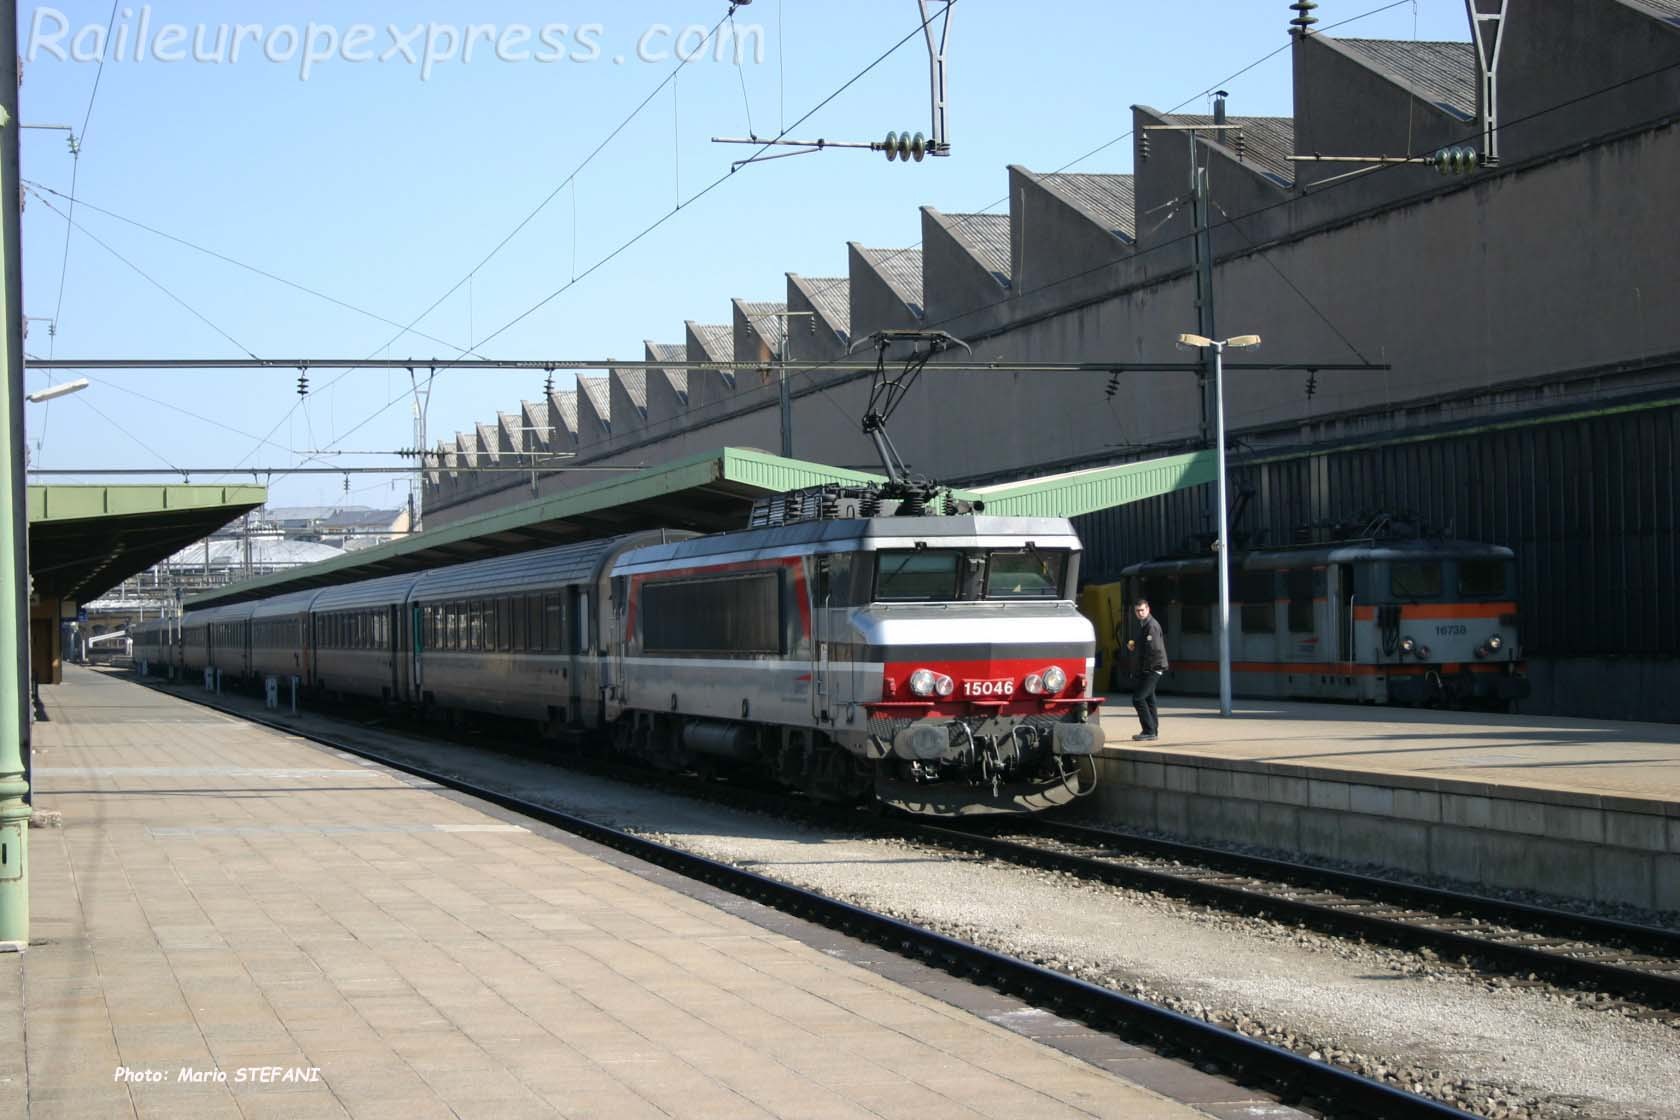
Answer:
x=937 y=662
x=1382 y=614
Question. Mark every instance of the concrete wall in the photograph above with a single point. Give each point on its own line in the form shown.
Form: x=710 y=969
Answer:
x=1611 y=850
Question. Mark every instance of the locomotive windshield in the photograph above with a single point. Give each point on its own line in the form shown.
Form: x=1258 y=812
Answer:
x=1033 y=574
x=923 y=576
x=946 y=576
x=1420 y=580
x=1481 y=578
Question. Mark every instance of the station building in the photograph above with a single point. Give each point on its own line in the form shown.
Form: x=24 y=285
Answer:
x=1522 y=314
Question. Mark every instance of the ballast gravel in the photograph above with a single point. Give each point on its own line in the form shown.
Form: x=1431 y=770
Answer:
x=1491 y=1047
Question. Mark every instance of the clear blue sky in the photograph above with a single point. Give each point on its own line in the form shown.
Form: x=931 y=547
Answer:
x=383 y=190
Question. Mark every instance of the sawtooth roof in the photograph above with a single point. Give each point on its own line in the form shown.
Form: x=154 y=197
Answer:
x=716 y=339
x=1268 y=142
x=1108 y=200
x=1441 y=73
x=565 y=402
x=987 y=237
x=764 y=317
x=635 y=385
x=599 y=394
x=902 y=270
x=832 y=298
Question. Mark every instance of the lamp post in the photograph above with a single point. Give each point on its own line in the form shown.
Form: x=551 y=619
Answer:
x=1222 y=547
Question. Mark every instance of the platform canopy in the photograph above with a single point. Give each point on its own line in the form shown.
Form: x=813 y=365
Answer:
x=84 y=540
x=710 y=493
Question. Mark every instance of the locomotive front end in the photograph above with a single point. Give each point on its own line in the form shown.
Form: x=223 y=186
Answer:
x=984 y=702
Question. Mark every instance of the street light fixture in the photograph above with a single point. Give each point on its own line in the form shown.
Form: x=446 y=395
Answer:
x=63 y=390
x=1221 y=564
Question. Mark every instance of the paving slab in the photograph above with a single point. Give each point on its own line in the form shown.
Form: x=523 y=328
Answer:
x=235 y=922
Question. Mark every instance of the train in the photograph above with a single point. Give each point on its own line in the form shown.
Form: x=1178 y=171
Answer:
x=933 y=661
x=1386 y=613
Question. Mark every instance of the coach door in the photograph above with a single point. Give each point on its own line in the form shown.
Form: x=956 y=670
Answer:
x=395 y=648
x=1345 y=599
x=577 y=613
x=416 y=647
x=821 y=633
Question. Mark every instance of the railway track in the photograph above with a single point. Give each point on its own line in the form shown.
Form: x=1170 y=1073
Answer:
x=1639 y=964
x=1291 y=1076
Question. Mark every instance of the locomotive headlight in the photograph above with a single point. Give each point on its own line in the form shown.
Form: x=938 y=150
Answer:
x=1054 y=679
x=1495 y=642
x=922 y=682
x=1033 y=684
x=944 y=685
x=1407 y=645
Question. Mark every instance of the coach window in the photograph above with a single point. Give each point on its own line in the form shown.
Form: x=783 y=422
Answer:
x=739 y=614
x=1414 y=580
x=834 y=580
x=1481 y=578
x=504 y=624
x=1300 y=586
x=581 y=608
x=1258 y=593
x=1196 y=611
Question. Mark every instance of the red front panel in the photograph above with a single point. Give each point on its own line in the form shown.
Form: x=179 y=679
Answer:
x=977 y=687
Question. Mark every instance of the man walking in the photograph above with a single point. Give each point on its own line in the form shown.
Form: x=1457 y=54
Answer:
x=1148 y=647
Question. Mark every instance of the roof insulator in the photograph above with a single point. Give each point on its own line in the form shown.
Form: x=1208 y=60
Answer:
x=1304 y=19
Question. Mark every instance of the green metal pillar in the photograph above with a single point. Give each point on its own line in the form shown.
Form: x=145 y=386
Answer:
x=14 y=519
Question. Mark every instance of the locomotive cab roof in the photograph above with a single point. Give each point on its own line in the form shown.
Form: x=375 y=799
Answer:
x=1340 y=552
x=869 y=533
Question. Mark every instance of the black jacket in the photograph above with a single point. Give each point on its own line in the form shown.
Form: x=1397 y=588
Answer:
x=1149 y=649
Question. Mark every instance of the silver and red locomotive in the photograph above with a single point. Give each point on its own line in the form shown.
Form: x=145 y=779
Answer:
x=937 y=663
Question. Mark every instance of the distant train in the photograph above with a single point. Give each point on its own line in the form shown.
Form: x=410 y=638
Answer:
x=1382 y=618
x=935 y=662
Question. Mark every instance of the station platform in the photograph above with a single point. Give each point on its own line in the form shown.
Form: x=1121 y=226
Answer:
x=1585 y=809
x=340 y=940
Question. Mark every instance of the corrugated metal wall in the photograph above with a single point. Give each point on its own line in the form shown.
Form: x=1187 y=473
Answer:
x=1590 y=505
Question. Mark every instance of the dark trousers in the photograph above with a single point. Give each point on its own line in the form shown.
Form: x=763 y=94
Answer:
x=1143 y=699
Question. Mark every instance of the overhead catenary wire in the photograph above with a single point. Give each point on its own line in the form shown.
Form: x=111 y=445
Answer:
x=820 y=367
x=76 y=201
x=130 y=436
x=1229 y=219
x=77 y=141
x=569 y=181
x=159 y=285
x=662 y=219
